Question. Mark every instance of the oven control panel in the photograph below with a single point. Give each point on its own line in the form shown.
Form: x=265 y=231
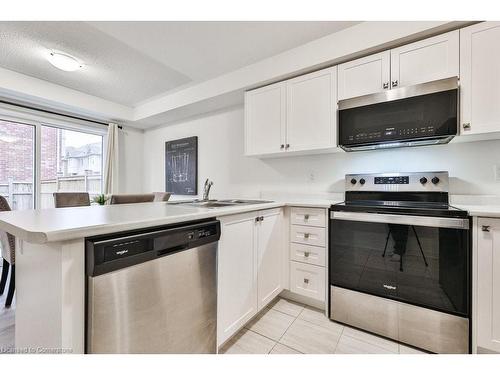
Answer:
x=398 y=181
x=391 y=180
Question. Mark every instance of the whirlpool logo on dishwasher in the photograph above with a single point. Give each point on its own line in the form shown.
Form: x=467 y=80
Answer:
x=121 y=252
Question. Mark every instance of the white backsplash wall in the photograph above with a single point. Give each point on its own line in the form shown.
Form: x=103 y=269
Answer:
x=220 y=158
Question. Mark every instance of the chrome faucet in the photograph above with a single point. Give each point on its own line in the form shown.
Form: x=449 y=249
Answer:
x=206 y=189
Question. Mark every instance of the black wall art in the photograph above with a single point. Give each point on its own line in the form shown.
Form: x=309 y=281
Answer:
x=181 y=166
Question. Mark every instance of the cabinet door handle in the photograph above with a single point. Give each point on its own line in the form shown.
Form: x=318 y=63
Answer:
x=306 y=281
x=287 y=146
x=306 y=254
x=257 y=219
x=261 y=218
x=282 y=147
x=466 y=126
x=306 y=217
x=385 y=85
x=485 y=228
x=394 y=83
x=306 y=235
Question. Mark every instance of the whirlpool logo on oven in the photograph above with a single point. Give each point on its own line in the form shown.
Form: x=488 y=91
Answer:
x=390 y=287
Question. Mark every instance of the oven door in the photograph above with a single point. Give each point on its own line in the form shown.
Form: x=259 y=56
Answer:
x=419 y=260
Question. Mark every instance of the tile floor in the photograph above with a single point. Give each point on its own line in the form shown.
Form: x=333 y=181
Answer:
x=284 y=327
x=287 y=327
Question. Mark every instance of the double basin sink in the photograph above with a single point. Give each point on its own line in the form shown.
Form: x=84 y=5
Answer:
x=220 y=203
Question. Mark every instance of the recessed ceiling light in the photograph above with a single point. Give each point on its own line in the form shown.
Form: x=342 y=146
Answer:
x=63 y=61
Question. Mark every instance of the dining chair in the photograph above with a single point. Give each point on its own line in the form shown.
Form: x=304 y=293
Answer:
x=131 y=198
x=161 y=196
x=73 y=199
x=8 y=245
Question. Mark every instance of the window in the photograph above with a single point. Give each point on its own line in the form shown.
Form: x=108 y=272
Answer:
x=17 y=167
x=70 y=161
x=38 y=159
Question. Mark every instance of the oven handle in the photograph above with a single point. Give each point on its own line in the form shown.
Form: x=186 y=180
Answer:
x=422 y=221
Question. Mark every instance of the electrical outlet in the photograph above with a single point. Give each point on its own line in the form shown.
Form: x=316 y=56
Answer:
x=496 y=172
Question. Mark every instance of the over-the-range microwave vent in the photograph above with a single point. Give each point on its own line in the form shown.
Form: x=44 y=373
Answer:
x=419 y=115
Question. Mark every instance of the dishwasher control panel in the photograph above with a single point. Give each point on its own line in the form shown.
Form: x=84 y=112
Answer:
x=112 y=252
x=125 y=249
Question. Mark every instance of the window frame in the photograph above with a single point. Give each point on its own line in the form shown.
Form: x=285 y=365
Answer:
x=37 y=119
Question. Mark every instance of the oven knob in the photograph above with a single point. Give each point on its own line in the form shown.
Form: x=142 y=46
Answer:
x=435 y=180
x=423 y=180
x=353 y=181
x=362 y=181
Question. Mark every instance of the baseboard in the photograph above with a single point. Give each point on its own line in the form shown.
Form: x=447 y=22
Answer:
x=304 y=300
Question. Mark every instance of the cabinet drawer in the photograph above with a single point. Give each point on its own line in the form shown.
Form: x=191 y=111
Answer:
x=307 y=254
x=308 y=235
x=307 y=280
x=314 y=217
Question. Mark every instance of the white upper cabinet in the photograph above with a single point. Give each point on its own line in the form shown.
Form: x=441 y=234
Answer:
x=364 y=76
x=480 y=78
x=487 y=289
x=295 y=115
x=427 y=60
x=424 y=61
x=265 y=115
x=311 y=111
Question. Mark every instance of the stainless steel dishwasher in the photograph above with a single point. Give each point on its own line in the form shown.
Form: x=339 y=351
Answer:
x=153 y=291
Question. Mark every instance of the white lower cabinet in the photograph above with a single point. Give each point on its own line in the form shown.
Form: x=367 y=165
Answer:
x=308 y=280
x=308 y=235
x=249 y=267
x=308 y=254
x=270 y=256
x=487 y=287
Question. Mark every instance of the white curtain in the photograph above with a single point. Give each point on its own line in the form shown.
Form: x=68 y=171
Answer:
x=111 y=165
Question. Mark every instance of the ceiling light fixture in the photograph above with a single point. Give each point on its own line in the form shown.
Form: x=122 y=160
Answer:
x=63 y=61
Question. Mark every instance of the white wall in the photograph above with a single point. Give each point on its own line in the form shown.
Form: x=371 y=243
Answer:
x=471 y=165
x=131 y=144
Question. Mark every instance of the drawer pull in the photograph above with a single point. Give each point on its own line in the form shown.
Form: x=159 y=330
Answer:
x=306 y=217
x=306 y=254
x=306 y=281
x=485 y=228
x=306 y=235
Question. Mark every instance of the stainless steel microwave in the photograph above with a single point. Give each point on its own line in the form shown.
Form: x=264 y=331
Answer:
x=418 y=115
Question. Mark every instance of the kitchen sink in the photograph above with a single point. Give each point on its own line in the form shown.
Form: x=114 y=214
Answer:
x=220 y=203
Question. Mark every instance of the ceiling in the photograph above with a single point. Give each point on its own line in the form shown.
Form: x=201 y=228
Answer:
x=130 y=62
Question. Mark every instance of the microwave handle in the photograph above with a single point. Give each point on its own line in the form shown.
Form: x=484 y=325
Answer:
x=423 y=221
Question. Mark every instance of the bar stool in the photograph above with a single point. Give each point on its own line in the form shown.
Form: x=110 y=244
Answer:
x=131 y=198
x=65 y=199
x=8 y=244
x=161 y=196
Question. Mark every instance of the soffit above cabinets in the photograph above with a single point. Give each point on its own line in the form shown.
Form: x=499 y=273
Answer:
x=176 y=90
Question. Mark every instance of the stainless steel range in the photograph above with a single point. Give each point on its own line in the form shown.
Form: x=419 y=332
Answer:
x=400 y=260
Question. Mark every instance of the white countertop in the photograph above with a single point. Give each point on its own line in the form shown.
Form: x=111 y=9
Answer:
x=60 y=224
x=480 y=210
